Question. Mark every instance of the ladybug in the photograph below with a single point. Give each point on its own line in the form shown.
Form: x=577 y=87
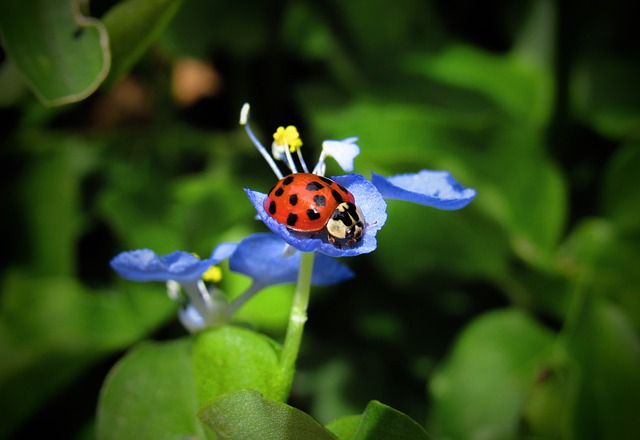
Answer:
x=309 y=203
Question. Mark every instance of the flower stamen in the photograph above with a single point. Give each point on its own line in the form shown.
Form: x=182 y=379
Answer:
x=244 y=120
x=213 y=274
x=288 y=136
x=287 y=141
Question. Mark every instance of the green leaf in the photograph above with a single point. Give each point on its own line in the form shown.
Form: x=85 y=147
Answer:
x=150 y=393
x=606 y=351
x=598 y=251
x=247 y=414
x=52 y=185
x=345 y=427
x=621 y=189
x=443 y=241
x=601 y=94
x=514 y=83
x=232 y=358
x=378 y=421
x=63 y=55
x=53 y=328
x=482 y=387
x=133 y=25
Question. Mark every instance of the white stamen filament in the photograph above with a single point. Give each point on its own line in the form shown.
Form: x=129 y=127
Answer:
x=320 y=166
x=302 y=162
x=290 y=162
x=244 y=120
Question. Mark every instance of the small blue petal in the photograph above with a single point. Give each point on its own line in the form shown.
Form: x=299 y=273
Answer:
x=432 y=188
x=146 y=265
x=367 y=198
x=222 y=252
x=265 y=258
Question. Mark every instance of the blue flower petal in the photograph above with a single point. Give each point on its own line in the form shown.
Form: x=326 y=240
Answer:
x=367 y=198
x=146 y=265
x=222 y=252
x=269 y=261
x=433 y=188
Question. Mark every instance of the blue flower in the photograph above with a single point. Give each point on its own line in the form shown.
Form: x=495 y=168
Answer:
x=146 y=265
x=432 y=188
x=264 y=257
x=368 y=199
x=205 y=307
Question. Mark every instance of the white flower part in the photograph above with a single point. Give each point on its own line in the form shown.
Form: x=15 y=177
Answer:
x=173 y=290
x=344 y=152
x=279 y=151
x=321 y=168
x=244 y=114
x=214 y=313
x=283 y=153
x=191 y=319
x=288 y=250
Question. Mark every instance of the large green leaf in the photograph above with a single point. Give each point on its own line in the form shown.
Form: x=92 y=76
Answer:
x=621 y=189
x=247 y=414
x=378 y=421
x=150 y=394
x=599 y=251
x=481 y=389
x=52 y=185
x=601 y=94
x=232 y=358
x=63 y=55
x=519 y=87
x=606 y=351
x=53 y=328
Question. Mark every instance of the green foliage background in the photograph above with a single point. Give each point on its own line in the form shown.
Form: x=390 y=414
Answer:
x=516 y=317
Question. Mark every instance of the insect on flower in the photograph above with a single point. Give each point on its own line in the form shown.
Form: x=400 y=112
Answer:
x=310 y=203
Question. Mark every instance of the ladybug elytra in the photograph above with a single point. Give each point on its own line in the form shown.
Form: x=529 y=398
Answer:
x=306 y=202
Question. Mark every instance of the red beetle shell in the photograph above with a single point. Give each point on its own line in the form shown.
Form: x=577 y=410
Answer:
x=305 y=202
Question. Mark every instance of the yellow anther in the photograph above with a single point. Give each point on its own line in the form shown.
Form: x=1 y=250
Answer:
x=213 y=274
x=288 y=136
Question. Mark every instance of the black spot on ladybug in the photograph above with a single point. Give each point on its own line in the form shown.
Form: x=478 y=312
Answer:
x=287 y=180
x=293 y=199
x=337 y=196
x=320 y=200
x=278 y=192
x=314 y=186
x=342 y=188
x=292 y=219
x=326 y=180
x=313 y=214
x=272 y=207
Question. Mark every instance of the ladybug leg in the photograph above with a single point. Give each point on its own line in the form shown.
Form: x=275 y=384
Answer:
x=333 y=241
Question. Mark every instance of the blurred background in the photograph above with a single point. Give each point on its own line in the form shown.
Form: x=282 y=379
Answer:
x=516 y=317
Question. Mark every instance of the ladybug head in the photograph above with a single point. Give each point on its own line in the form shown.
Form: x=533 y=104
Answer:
x=346 y=224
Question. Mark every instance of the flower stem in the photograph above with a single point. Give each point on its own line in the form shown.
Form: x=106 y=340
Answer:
x=297 y=319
